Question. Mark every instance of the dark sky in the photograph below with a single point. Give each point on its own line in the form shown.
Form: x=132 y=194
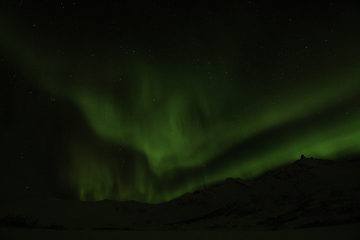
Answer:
x=147 y=101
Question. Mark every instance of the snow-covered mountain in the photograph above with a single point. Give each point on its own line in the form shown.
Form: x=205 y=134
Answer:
x=307 y=193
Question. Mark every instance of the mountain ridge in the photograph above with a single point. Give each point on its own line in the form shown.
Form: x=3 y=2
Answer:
x=308 y=192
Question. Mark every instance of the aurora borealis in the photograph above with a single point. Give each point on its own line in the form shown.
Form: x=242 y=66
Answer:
x=147 y=102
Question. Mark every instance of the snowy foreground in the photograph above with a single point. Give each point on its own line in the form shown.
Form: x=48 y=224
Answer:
x=345 y=232
x=308 y=199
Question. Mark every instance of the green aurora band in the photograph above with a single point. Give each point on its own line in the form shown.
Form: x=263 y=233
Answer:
x=186 y=126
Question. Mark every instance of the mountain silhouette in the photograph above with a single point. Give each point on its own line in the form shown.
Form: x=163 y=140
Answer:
x=306 y=193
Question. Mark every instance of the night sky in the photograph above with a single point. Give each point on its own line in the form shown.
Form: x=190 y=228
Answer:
x=147 y=101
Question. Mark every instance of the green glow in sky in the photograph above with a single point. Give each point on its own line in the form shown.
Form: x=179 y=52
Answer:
x=185 y=127
x=162 y=128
